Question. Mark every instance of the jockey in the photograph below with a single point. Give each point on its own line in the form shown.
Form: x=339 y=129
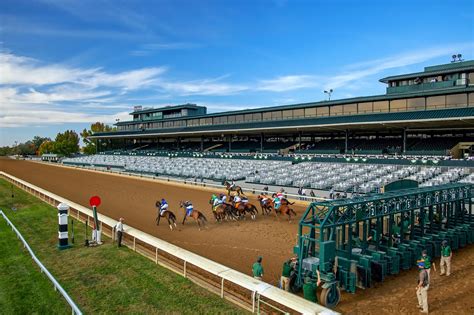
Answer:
x=223 y=198
x=189 y=208
x=245 y=200
x=264 y=200
x=232 y=184
x=216 y=203
x=237 y=201
x=163 y=207
x=277 y=202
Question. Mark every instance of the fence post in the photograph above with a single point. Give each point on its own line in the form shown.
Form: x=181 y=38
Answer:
x=156 y=255
x=253 y=301
x=184 y=273
x=134 y=244
x=222 y=288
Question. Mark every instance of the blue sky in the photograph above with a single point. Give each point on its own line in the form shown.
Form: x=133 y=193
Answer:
x=66 y=64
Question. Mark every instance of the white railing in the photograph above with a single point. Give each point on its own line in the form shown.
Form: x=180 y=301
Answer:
x=57 y=286
x=233 y=285
x=195 y=182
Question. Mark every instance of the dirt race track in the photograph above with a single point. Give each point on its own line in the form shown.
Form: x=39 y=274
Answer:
x=238 y=244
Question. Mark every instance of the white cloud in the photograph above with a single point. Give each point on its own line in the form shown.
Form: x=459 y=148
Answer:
x=288 y=83
x=202 y=87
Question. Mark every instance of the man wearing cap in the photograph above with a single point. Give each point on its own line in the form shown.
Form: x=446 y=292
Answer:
x=257 y=269
x=446 y=255
x=422 y=287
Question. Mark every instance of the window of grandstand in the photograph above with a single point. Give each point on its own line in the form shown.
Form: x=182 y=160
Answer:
x=471 y=99
x=367 y=107
x=434 y=102
x=350 y=109
x=322 y=111
x=416 y=103
x=456 y=100
x=398 y=105
x=310 y=112
x=336 y=110
x=380 y=106
x=277 y=115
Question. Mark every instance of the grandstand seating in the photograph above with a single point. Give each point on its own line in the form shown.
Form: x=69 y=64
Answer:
x=363 y=178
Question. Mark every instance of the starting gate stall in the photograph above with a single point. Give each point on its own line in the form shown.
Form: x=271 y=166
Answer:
x=354 y=242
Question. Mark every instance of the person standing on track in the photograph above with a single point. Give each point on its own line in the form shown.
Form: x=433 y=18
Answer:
x=257 y=269
x=119 y=231
x=422 y=287
x=446 y=255
x=428 y=263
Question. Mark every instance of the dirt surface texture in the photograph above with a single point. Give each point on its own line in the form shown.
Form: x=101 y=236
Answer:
x=238 y=244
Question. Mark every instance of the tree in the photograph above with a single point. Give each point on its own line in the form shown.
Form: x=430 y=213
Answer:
x=4 y=151
x=66 y=143
x=27 y=148
x=46 y=147
x=37 y=141
x=90 y=145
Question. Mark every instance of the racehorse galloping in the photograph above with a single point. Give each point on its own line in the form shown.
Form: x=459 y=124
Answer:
x=166 y=214
x=221 y=211
x=195 y=214
x=241 y=208
x=266 y=204
x=229 y=188
x=286 y=210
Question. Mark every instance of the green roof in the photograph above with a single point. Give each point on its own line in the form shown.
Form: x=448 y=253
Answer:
x=434 y=71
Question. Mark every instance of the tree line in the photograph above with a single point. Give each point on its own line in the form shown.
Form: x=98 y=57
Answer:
x=65 y=144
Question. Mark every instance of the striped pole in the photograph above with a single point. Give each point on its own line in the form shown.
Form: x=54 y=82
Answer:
x=62 y=230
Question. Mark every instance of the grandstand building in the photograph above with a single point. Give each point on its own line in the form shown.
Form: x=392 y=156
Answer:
x=423 y=113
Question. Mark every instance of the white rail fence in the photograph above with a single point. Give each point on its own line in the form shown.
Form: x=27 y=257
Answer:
x=241 y=289
x=57 y=286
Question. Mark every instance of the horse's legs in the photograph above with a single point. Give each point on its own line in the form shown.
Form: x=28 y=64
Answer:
x=158 y=219
x=169 y=222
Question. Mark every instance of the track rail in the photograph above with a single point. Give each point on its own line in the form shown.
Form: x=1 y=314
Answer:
x=75 y=309
x=230 y=284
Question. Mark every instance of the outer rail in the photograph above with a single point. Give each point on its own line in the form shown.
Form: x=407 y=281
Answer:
x=57 y=286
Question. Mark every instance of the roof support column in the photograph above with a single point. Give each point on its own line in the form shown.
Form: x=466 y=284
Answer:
x=346 y=142
x=202 y=143
x=299 y=141
x=261 y=142
x=230 y=143
x=404 y=147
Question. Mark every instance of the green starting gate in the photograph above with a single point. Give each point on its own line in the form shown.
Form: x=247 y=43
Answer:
x=356 y=242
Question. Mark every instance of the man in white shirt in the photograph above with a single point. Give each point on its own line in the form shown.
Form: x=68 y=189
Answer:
x=119 y=231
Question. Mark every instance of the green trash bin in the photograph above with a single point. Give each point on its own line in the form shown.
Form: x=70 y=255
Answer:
x=309 y=291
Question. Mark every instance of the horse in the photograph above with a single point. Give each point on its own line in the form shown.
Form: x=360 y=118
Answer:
x=244 y=208
x=286 y=210
x=167 y=214
x=196 y=215
x=267 y=206
x=230 y=188
x=221 y=211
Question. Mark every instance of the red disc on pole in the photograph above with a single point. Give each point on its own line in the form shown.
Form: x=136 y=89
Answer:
x=94 y=201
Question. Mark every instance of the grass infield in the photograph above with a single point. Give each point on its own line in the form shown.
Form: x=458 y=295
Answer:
x=104 y=279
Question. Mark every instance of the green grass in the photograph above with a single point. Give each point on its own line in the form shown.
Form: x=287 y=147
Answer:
x=103 y=279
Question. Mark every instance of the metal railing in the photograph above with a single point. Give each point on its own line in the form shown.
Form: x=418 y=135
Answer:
x=230 y=284
x=57 y=286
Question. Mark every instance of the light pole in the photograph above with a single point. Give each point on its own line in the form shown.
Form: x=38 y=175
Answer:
x=328 y=92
